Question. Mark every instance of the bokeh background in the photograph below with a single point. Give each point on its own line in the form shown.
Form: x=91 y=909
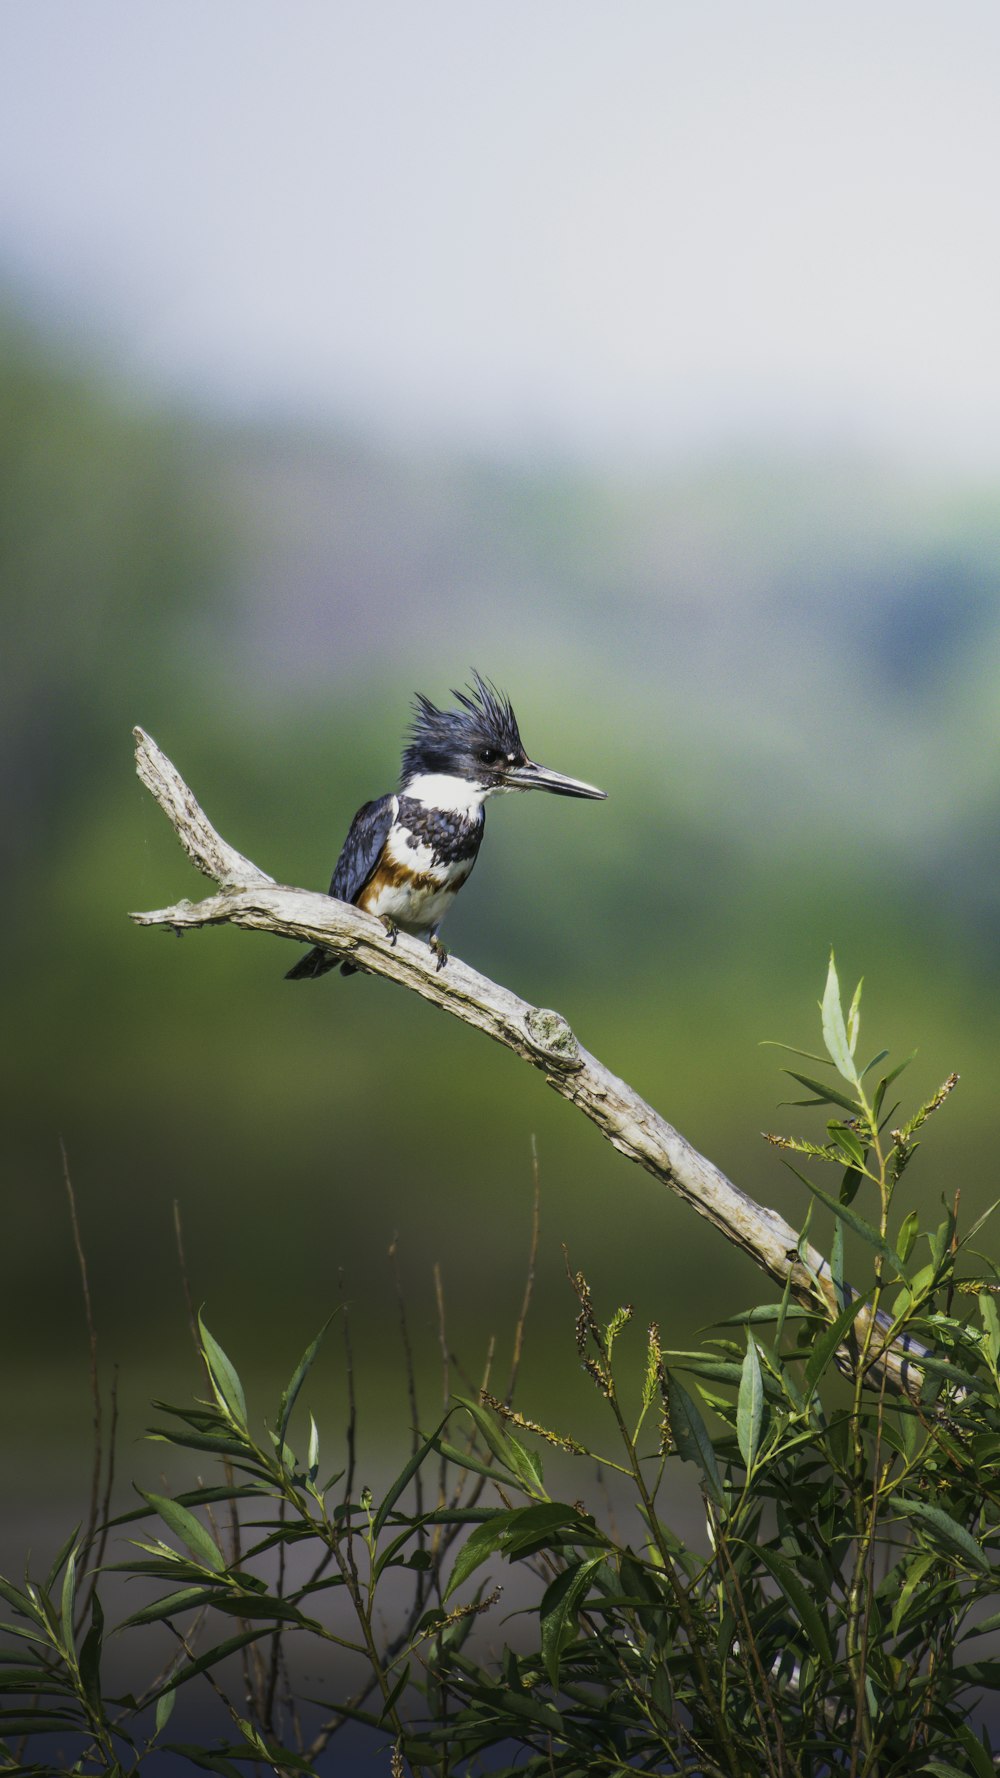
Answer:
x=643 y=357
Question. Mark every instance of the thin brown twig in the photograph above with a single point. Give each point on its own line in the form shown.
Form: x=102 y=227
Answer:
x=950 y=1297
x=206 y=1673
x=352 y=1425
x=737 y=1603
x=411 y=1376
x=105 y=1517
x=185 y=1282
x=274 y=1664
x=352 y=1405
x=423 y=1578
x=442 y=1332
x=97 y=1465
x=443 y=1537
x=100 y=1503
x=529 y=1281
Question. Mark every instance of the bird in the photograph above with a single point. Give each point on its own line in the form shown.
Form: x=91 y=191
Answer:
x=407 y=854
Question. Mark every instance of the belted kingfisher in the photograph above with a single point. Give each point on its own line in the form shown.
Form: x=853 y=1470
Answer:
x=407 y=855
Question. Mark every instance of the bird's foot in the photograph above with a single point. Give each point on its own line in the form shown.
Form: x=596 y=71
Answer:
x=439 y=951
x=392 y=930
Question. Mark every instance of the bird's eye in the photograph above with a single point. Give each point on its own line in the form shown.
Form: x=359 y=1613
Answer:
x=488 y=756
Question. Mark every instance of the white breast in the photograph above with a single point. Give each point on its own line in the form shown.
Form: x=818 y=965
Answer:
x=453 y=795
x=416 y=910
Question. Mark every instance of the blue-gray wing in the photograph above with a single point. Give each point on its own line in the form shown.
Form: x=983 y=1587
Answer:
x=362 y=848
x=359 y=855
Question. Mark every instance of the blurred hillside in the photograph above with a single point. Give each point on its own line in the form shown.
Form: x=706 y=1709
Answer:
x=785 y=675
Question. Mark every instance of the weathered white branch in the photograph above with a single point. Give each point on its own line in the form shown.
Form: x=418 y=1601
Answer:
x=206 y=849
x=252 y=900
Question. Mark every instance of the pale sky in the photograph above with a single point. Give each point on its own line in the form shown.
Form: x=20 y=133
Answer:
x=633 y=227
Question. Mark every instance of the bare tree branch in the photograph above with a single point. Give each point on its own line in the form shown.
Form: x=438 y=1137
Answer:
x=252 y=900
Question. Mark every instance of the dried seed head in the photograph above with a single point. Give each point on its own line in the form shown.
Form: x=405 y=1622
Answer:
x=667 y=1441
x=515 y=1419
x=942 y=1093
x=599 y=1374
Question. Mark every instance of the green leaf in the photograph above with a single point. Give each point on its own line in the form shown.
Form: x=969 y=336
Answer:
x=828 y=1342
x=59 y=1559
x=220 y=1444
x=559 y=1610
x=850 y=1183
x=764 y=1312
x=772 y=1043
x=69 y=1602
x=164 y=1710
x=837 y=1260
x=515 y=1457
x=825 y=1095
x=916 y=1572
x=982 y=1760
x=405 y=1477
x=784 y=1308
x=205 y=1761
x=854 y=1017
x=548 y=1524
x=691 y=1435
x=875 y=1062
x=25 y=1635
x=518 y=1532
x=483 y=1543
x=991 y=1327
x=190 y=1530
x=212 y=1657
x=944 y=1530
x=977 y=1225
x=464 y=1460
x=399 y=1686
x=802 y=1602
x=225 y=1382
x=298 y=1377
x=750 y=1405
x=37 y=1722
x=90 y=1657
x=909 y=1230
x=847 y=1141
x=834 y=1030
x=251 y=1606
x=187 y=1599
x=855 y=1222
x=887 y=1081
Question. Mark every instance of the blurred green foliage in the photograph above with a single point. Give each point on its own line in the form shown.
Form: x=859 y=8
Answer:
x=783 y=675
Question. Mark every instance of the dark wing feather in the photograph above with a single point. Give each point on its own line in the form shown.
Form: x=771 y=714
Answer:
x=362 y=848
x=359 y=855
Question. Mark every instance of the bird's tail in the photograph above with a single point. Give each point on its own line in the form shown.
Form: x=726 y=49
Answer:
x=315 y=962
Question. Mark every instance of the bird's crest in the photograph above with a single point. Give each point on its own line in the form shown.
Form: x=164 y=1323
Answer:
x=485 y=718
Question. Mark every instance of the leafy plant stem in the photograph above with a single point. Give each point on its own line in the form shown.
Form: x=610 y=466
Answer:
x=687 y=1617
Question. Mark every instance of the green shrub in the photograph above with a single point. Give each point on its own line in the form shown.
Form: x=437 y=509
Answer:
x=836 y=1614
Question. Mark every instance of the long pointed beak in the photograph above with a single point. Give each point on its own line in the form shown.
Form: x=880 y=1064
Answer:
x=535 y=777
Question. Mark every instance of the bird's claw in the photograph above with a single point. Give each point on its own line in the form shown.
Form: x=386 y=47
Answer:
x=392 y=930
x=439 y=951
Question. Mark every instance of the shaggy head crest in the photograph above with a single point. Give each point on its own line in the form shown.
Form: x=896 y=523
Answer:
x=482 y=731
